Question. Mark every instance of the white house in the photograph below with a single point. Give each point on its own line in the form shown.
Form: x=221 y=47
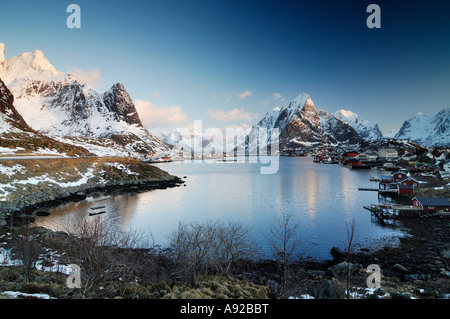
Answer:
x=447 y=166
x=388 y=154
x=368 y=156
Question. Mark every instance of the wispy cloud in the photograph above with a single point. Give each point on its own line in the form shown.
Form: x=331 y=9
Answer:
x=159 y=95
x=228 y=96
x=277 y=96
x=244 y=94
x=233 y=115
x=154 y=116
x=91 y=77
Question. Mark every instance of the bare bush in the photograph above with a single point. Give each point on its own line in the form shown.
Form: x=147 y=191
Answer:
x=210 y=247
x=103 y=253
x=27 y=247
x=350 y=227
x=286 y=245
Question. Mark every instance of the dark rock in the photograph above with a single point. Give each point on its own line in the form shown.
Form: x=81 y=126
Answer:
x=400 y=268
x=327 y=290
x=337 y=253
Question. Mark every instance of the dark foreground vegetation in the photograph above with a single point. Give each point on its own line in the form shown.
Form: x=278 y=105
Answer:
x=218 y=261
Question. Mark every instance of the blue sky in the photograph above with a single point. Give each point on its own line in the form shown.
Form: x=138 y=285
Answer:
x=230 y=62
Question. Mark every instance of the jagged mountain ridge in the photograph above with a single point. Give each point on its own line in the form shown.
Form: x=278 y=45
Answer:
x=300 y=124
x=61 y=106
x=427 y=130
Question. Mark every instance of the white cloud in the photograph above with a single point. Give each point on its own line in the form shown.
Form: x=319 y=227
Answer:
x=277 y=96
x=153 y=116
x=233 y=115
x=228 y=96
x=159 y=96
x=91 y=77
x=244 y=94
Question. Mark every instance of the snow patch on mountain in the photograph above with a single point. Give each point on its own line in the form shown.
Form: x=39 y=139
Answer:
x=364 y=128
x=427 y=130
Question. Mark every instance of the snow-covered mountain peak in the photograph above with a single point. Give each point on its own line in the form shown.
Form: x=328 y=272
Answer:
x=300 y=102
x=364 y=128
x=309 y=106
x=427 y=130
x=347 y=116
x=29 y=65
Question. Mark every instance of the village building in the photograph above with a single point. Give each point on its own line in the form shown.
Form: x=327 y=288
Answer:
x=388 y=154
x=405 y=189
x=409 y=181
x=431 y=204
x=368 y=156
x=425 y=166
x=399 y=175
x=447 y=166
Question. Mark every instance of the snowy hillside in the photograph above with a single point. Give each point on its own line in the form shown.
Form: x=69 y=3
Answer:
x=427 y=130
x=364 y=128
x=60 y=105
x=16 y=137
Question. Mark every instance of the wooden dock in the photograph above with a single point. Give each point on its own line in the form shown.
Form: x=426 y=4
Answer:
x=392 y=191
x=368 y=189
x=393 y=211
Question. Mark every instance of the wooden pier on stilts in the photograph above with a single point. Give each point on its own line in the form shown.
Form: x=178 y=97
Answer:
x=394 y=211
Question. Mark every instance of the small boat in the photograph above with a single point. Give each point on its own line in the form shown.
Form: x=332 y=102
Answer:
x=97 y=207
x=103 y=198
x=42 y=213
x=97 y=213
x=374 y=179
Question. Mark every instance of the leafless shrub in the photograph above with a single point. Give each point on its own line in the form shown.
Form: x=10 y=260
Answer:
x=350 y=227
x=210 y=247
x=286 y=245
x=27 y=247
x=103 y=253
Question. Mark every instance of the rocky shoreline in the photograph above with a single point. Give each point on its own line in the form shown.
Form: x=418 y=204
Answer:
x=27 y=213
x=37 y=186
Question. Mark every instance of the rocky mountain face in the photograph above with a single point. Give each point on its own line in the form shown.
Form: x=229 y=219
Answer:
x=427 y=130
x=364 y=128
x=300 y=124
x=17 y=137
x=9 y=117
x=61 y=106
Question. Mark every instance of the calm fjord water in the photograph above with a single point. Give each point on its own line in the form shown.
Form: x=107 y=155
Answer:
x=323 y=196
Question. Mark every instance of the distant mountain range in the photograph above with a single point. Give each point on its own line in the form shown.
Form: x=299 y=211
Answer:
x=55 y=108
x=300 y=124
